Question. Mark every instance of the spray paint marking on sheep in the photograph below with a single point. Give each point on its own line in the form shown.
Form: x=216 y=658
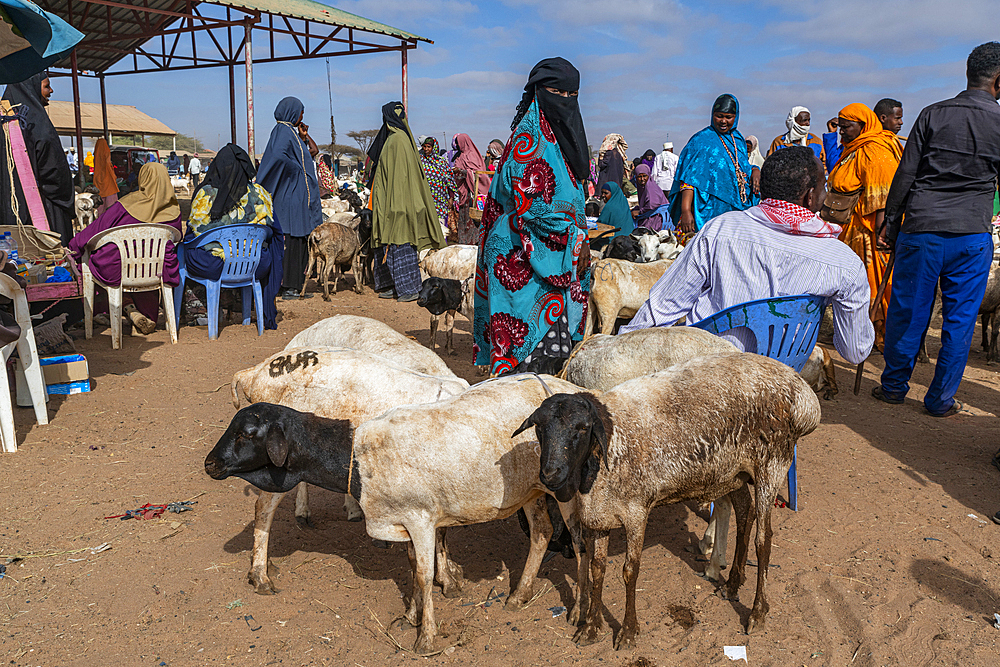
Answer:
x=281 y=365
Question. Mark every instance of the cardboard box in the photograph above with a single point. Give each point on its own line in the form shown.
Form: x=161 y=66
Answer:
x=63 y=374
x=69 y=387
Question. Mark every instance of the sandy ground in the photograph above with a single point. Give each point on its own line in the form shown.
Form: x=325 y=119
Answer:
x=890 y=561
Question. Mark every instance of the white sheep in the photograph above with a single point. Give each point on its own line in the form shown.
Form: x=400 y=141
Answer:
x=454 y=262
x=337 y=383
x=699 y=431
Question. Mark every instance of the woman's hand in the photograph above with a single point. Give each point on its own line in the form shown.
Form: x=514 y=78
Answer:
x=755 y=180
x=686 y=222
x=304 y=132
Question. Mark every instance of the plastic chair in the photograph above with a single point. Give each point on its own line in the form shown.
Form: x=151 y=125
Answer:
x=242 y=245
x=142 y=248
x=28 y=354
x=784 y=328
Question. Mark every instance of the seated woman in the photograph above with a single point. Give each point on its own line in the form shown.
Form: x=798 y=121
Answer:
x=615 y=213
x=152 y=202
x=653 y=211
x=229 y=196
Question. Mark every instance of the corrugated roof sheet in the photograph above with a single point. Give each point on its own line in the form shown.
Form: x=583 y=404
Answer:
x=121 y=120
x=132 y=33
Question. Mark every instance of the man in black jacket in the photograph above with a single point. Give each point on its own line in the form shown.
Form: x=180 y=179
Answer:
x=945 y=185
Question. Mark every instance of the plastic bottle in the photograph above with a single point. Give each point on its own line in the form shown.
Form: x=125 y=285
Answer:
x=12 y=247
x=4 y=244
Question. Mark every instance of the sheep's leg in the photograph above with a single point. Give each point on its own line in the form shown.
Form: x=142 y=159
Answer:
x=830 y=374
x=259 y=575
x=449 y=325
x=720 y=526
x=331 y=267
x=706 y=544
x=302 y=515
x=741 y=502
x=635 y=534
x=541 y=532
x=984 y=319
x=434 y=331
x=763 y=543
x=993 y=356
x=309 y=268
x=423 y=544
x=353 y=509
x=590 y=631
x=357 y=270
x=448 y=573
x=415 y=605
x=576 y=531
x=608 y=317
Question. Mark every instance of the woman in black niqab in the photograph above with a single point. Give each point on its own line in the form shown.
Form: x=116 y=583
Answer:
x=561 y=111
x=393 y=115
x=52 y=174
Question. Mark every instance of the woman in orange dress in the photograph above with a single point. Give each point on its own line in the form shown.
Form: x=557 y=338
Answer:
x=868 y=163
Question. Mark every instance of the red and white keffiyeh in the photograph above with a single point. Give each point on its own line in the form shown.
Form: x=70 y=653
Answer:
x=794 y=219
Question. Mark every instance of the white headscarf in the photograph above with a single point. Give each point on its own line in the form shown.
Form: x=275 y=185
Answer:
x=797 y=134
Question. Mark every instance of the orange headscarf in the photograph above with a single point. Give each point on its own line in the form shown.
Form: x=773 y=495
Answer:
x=104 y=174
x=871 y=132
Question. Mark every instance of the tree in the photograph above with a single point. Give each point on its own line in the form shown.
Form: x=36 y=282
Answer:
x=364 y=138
x=338 y=151
x=184 y=143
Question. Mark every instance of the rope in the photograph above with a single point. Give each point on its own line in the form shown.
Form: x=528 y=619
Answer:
x=9 y=157
x=302 y=155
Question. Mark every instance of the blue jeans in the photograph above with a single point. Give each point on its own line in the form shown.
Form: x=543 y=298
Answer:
x=962 y=262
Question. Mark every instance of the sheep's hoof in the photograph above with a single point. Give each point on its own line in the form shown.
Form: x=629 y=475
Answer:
x=261 y=585
x=991 y=362
x=626 y=639
x=424 y=645
x=756 y=623
x=829 y=394
x=355 y=517
x=589 y=633
x=304 y=521
x=922 y=358
x=326 y=297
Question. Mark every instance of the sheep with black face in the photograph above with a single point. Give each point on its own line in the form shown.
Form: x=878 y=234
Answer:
x=698 y=431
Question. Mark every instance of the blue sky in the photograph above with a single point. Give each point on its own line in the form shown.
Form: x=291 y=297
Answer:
x=649 y=68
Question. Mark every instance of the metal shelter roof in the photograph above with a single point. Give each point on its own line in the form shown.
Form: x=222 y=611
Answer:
x=122 y=120
x=165 y=35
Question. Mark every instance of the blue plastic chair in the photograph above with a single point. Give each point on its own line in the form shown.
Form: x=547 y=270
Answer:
x=242 y=245
x=783 y=328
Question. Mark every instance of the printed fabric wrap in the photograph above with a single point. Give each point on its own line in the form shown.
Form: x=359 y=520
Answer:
x=439 y=178
x=532 y=233
x=254 y=208
x=327 y=181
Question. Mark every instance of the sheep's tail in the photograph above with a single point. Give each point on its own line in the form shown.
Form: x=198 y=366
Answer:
x=236 y=390
x=805 y=412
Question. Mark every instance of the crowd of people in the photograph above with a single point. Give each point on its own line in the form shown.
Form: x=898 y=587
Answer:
x=823 y=215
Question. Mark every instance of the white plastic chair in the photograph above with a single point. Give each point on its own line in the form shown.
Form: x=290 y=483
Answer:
x=29 y=361
x=142 y=248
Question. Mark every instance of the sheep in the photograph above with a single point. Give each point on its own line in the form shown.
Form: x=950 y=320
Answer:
x=626 y=248
x=331 y=248
x=699 y=431
x=451 y=463
x=820 y=373
x=619 y=289
x=331 y=382
x=445 y=296
x=988 y=310
x=454 y=262
x=334 y=205
x=649 y=243
x=375 y=337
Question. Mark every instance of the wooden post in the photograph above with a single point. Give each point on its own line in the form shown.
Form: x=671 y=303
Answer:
x=104 y=109
x=78 y=116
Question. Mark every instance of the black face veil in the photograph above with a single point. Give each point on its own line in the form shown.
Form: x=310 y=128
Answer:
x=562 y=113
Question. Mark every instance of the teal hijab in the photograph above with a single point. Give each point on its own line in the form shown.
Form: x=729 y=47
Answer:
x=616 y=211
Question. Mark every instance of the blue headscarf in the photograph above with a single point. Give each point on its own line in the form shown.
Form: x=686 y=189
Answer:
x=616 y=211
x=706 y=164
x=287 y=172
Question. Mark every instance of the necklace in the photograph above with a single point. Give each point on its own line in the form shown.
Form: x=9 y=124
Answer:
x=741 y=177
x=302 y=154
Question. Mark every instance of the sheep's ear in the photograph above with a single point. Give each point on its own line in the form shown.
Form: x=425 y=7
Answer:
x=598 y=433
x=277 y=445
x=528 y=423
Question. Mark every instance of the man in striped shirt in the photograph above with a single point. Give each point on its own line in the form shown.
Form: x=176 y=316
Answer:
x=778 y=248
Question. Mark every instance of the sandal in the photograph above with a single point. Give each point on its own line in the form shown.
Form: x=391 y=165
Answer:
x=879 y=393
x=955 y=408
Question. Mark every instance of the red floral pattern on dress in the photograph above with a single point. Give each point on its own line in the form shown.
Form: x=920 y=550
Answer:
x=578 y=294
x=491 y=211
x=512 y=270
x=556 y=242
x=505 y=332
x=561 y=281
x=539 y=179
x=546 y=128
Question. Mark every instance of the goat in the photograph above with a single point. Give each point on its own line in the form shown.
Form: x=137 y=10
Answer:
x=332 y=247
x=619 y=289
x=336 y=383
x=698 y=431
x=457 y=263
x=446 y=296
x=649 y=243
x=626 y=248
x=85 y=207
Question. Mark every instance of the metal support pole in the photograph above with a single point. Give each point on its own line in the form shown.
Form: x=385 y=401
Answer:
x=405 y=84
x=104 y=110
x=232 y=101
x=247 y=47
x=78 y=117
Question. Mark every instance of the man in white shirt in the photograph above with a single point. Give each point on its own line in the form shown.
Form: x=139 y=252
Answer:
x=664 y=168
x=71 y=159
x=778 y=248
x=194 y=168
